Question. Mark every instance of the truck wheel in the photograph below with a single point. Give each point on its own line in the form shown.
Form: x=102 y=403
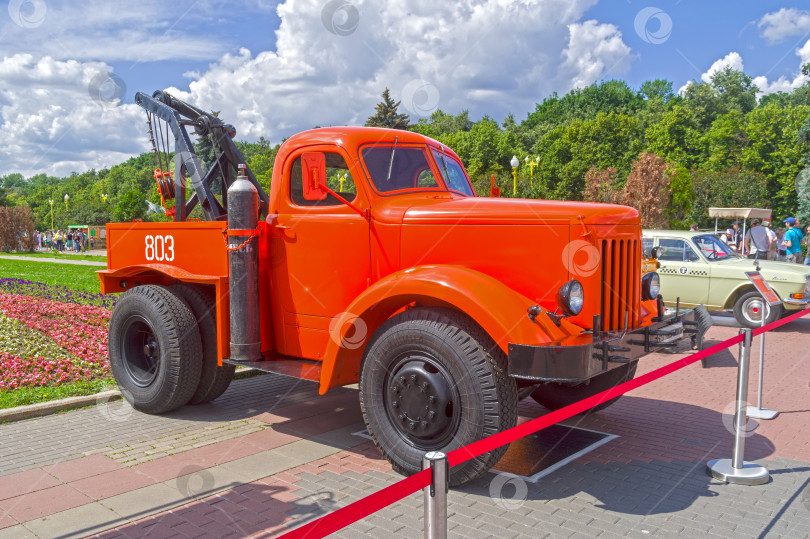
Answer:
x=214 y=380
x=556 y=396
x=432 y=380
x=748 y=310
x=155 y=350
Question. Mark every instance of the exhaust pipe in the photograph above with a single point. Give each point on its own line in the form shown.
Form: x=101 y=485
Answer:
x=243 y=267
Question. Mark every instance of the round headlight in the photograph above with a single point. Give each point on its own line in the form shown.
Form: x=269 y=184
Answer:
x=650 y=286
x=571 y=297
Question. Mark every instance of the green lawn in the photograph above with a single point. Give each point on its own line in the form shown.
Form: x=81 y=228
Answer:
x=70 y=275
x=57 y=254
x=32 y=395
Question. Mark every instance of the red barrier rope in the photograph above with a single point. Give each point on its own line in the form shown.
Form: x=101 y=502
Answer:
x=374 y=502
x=362 y=508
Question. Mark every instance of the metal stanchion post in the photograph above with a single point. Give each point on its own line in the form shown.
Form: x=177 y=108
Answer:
x=436 y=495
x=735 y=469
x=758 y=411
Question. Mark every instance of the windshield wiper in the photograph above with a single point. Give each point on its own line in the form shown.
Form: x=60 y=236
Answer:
x=391 y=163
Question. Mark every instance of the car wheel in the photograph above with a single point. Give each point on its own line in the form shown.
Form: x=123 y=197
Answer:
x=748 y=310
x=155 y=350
x=555 y=396
x=214 y=380
x=433 y=380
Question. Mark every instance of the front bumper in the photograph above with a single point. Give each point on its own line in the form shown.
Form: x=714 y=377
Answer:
x=584 y=356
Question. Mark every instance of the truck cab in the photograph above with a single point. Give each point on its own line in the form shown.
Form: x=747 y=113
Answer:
x=372 y=261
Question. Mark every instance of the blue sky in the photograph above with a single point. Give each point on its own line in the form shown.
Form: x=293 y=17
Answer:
x=69 y=69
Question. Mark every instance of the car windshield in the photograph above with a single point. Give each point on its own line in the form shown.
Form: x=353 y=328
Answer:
x=399 y=168
x=712 y=248
x=453 y=174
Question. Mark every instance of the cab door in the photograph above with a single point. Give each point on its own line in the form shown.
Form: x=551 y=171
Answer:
x=684 y=274
x=321 y=255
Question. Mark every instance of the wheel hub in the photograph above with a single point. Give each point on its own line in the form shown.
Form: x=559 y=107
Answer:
x=140 y=351
x=419 y=400
x=753 y=310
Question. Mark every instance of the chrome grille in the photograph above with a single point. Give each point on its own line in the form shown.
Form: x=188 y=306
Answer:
x=621 y=282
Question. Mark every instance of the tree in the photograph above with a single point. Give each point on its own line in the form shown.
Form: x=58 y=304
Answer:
x=132 y=205
x=774 y=152
x=703 y=101
x=647 y=189
x=676 y=137
x=731 y=188
x=657 y=89
x=386 y=114
x=725 y=140
x=600 y=186
x=16 y=229
x=737 y=90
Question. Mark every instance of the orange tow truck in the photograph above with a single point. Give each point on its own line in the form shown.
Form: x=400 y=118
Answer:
x=373 y=261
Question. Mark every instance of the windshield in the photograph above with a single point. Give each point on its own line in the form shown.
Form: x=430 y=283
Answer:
x=712 y=248
x=399 y=168
x=452 y=173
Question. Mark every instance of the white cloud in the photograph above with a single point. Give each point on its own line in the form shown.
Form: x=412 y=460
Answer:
x=786 y=84
x=595 y=50
x=488 y=56
x=142 y=31
x=732 y=60
x=50 y=122
x=782 y=84
x=787 y=22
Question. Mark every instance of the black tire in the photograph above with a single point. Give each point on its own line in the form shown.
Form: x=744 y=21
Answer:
x=214 y=380
x=704 y=321
x=435 y=358
x=155 y=350
x=555 y=396
x=746 y=310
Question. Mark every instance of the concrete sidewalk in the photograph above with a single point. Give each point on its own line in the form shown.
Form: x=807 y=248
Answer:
x=271 y=454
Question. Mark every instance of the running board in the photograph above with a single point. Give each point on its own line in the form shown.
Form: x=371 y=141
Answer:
x=297 y=368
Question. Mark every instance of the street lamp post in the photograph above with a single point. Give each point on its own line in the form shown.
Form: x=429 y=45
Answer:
x=51 y=203
x=515 y=164
x=67 y=197
x=104 y=197
x=531 y=164
x=342 y=179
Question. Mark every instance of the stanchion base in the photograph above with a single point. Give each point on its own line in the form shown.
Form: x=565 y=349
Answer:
x=760 y=413
x=749 y=474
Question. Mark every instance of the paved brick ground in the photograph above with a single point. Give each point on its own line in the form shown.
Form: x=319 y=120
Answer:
x=272 y=455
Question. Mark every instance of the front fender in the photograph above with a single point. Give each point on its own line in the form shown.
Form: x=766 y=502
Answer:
x=499 y=310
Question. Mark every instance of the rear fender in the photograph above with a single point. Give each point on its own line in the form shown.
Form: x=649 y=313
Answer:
x=121 y=279
x=499 y=310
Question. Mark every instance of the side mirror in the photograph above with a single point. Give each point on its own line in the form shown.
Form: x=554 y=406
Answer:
x=655 y=252
x=313 y=165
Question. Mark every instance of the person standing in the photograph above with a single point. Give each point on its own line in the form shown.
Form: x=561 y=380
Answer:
x=772 y=237
x=757 y=241
x=792 y=241
x=736 y=242
x=694 y=228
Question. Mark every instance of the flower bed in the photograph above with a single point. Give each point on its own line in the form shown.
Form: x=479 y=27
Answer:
x=47 y=342
x=57 y=293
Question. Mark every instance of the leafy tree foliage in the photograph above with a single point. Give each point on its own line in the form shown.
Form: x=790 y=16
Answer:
x=720 y=148
x=648 y=189
x=386 y=114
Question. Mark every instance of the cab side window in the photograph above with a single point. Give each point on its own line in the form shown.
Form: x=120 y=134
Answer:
x=677 y=251
x=338 y=179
